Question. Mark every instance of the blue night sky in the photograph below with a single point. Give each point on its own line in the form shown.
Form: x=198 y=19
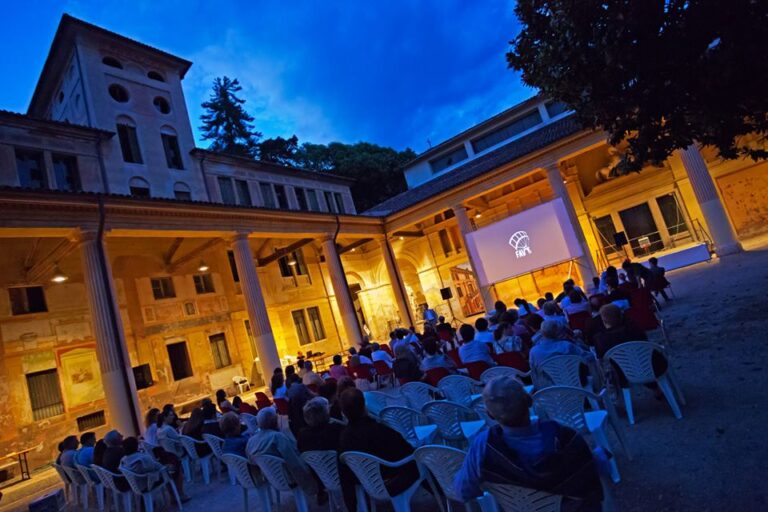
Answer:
x=396 y=73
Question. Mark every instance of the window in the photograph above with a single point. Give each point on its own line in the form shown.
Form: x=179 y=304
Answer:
x=445 y=161
x=330 y=201
x=673 y=216
x=555 y=108
x=65 y=170
x=445 y=242
x=227 y=190
x=162 y=288
x=181 y=191
x=203 y=283
x=293 y=264
x=314 y=205
x=339 y=202
x=300 y=322
x=243 y=193
x=139 y=187
x=455 y=237
x=31 y=168
x=282 y=199
x=233 y=266
x=507 y=131
x=112 y=62
x=172 y=152
x=28 y=299
x=154 y=75
x=118 y=93
x=642 y=232
x=267 y=195
x=178 y=355
x=91 y=421
x=318 y=331
x=220 y=351
x=45 y=394
x=301 y=199
x=606 y=229
x=162 y=105
x=129 y=143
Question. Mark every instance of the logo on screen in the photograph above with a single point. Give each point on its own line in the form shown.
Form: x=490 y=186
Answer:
x=520 y=242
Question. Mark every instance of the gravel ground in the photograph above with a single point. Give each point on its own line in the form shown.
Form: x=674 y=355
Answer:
x=711 y=459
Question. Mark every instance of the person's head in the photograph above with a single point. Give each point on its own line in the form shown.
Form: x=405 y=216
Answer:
x=611 y=271
x=392 y=335
x=292 y=379
x=402 y=350
x=510 y=316
x=653 y=261
x=221 y=395
x=151 y=417
x=337 y=360
x=278 y=371
x=534 y=321
x=540 y=303
x=441 y=319
x=165 y=418
x=596 y=282
x=236 y=402
x=611 y=315
x=550 y=329
x=88 y=439
x=226 y=406
x=196 y=417
x=169 y=408
x=352 y=351
x=70 y=443
x=266 y=419
x=317 y=412
x=499 y=307
x=230 y=424
x=130 y=445
x=430 y=346
x=209 y=411
x=612 y=282
x=308 y=366
x=328 y=389
x=481 y=324
x=627 y=265
x=467 y=332
x=569 y=282
x=501 y=331
x=549 y=296
x=568 y=286
x=353 y=404
x=277 y=382
x=596 y=302
x=289 y=370
x=549 y=308
x=575 y=297
x=113 y=438
x=507 y=402
x=519 y=302
x=301 y=364
x=375 y=347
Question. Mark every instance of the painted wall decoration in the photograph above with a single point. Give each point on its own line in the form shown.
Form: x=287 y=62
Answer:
x=467 y=290
x=80 y=375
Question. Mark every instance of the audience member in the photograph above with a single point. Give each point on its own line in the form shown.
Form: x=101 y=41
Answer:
x=337 y=370
x=472 y=351
x=617 y=330
x=141 y=464
x=167 y=435
x=505 y=339
x=377 y=354
x=150 y=422
x=576 y=304
x=68 y=450
x=277 y=386
x=551 y=344
x=113 y=454
x=302 y=365
x=329 y=391
x=406 y=364
x=637 y=274
x=242 y=407
x=435 y=359
x=234 y=440
x=221 y=395
x=210 y=422
x=615 y=294
x=298 y=394
x=193 y=428
x=481 y=331
x=84 y=455
x=658 y=278
x=98 y=452
x=310 y=378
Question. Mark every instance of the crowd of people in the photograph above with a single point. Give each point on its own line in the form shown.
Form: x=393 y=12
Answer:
x=326 y=410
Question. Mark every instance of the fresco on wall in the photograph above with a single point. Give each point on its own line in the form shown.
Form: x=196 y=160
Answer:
x=80 y=376
x=467 y=290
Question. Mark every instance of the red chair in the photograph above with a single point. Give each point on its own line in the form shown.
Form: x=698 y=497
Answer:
x=382 y=370
x=385 y=348
x=579 y=320
x=454 y=355
x=641 y=312
x=476 y=369
x=281 y=404
x=404 y=381
x=435 y=374
x=262 y=400
x=363 y=371
x=514 y=360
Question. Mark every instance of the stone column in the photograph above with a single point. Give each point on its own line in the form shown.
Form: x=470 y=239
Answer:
x=396 y=281
x=465 y=226
x=116 y=373
x=717 y=220
x=341 y=291
x=269 y=359
x=585 y=261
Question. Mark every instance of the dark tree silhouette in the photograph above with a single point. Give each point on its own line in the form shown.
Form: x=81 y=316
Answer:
x=279 y=150
x=226 y=123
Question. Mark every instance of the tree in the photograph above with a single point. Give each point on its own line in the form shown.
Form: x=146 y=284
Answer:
x=657 y=75
x=226 y=123
x=279 y=150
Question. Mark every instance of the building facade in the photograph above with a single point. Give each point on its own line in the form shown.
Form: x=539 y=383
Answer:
x=139 y=270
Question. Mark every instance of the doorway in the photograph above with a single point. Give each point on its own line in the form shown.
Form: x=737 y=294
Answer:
x=642 y=232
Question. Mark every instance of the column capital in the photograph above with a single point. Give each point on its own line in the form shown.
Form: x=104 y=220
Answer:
x=327 y=238
x=238 y=235
x=552 y=167
x=82 y=236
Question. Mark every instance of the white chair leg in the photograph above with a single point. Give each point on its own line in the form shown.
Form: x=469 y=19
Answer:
x=435 y=492
x=362 y=500
x=669 y=394
x=301 y=500
x=401 y=503
x=600 y=437
x=99 y=491
x=245 y=499
x=187 y=469
x=263 y=493
x=620 y=435
x=127 y=501
x=676 y=387
x=626 y=394
x=205 y=467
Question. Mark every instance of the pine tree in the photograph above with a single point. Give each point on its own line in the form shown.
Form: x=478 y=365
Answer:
x=226 y=123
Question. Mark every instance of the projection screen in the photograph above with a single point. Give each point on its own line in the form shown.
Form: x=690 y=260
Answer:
x=536 y=238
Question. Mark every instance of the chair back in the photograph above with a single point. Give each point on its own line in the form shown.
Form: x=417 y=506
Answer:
x=385 y=347
x=641 y=313
x=478 y=405
x=276 y=472
x=189 y=446
x=239 y=467
x=216 y=443
x=565 y=405
x=444 y=463
x=107 y=478
x=513 y=360
x=579 y=320
x=403 y=420
x=375 y=401
x=171 y=446
x=89 y=476
x=147 y=448
x=262 y=400
x=448 y=417
x=435 y=375
x=560 y=371
x=511 y=498
x=495 y=372
x=457 y=388
x=325 y=464
x=74 y=475
x=382 y=368
x=476 y=369
x=635 y=359
x=454 y=355
x=136 y=481
x=363 y=371
x=368 y=471
x=418 y=393
x=281 y=405
x=239 y=379
x=62 y=474
x=250 y=421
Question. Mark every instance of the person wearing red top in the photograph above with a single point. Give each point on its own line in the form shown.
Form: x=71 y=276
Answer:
x=243 y=407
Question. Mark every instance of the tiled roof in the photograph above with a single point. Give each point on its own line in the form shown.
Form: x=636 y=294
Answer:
x=534 y=141
x=56 y=124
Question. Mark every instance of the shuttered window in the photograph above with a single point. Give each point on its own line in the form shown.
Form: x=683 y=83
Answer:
x=45 y=394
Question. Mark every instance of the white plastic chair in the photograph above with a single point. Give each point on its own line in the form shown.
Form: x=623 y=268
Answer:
x=635 y=359
x=79 y=485
x=456 y=423
x=375 y=401
x=419 y=393
x=566 y=405
x=250 y=422
x=495 y=372
x=367 y=468
x=276 y=473
x=240 y=468
x=409 y=423
x=511 y=498
x=108 y=480
x=325 y=464
x=70 y=488
x=190 y=446
x=177 y=448
x=217 y=444
x=559 y=371
x=94 y=483
x=443 y=462
x=148 y=495
x=459 y=389
x=242 y=383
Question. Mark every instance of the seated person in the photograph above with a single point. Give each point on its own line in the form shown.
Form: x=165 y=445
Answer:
x=210 y=421
x=524 y=307
x=84 y=455
x=617 y=330
x=242 y=407
x=298 y=394
x=550 y=344
x=406 y=364
x=505 y=339
x=541 y=455
x=472 y=351
x=141 y=463
x=434 y=358
x=234 y=440
x=113 y=454
x=481 y=331
x=552 y=312
x=377 y=354
x=268 y=440
x=576 y=304
x=193 y=428
x=310 y=378
x=337 y=370
x=68 y=449
x=167 y=435
x=150 y=422
x=658 y=279
x=330 y=390
x=320 y=433
x=594 y=324
x=615 y=294
x=362 y=359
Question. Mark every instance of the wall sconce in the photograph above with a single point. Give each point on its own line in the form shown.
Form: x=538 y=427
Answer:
x=203 y=267
x=58 y=275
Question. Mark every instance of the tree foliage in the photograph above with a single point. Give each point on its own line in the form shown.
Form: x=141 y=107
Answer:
x=279 y=150
x=226 y=123
x=657 y=75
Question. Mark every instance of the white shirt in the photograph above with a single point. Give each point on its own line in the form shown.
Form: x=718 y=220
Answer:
x=279 y=392
x=484 y=336
x=365 y=360
x=150 y=435
x=381 y=355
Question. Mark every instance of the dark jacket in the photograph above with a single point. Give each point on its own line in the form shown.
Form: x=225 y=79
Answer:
x=213 y=429
x=322 y=437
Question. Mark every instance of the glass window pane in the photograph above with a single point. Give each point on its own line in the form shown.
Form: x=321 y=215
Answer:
x=65 y=170
x=243 y=193
x=339 y=202
x=330 y=201
x=227 y=190
x=282 y=199
x=31 y=169
x=285 y=267
x=301 y=327
x=445 y=161
x=606 y=230
x=129 y=143
x=643 y=235
x=267 y=195
x=314 y=205
x=181 y=366
x=301 y=198
x=672 y=214
x=172 y=152
x=507 y=131
x=45 y=394
x=318 y=331
x=233 y=266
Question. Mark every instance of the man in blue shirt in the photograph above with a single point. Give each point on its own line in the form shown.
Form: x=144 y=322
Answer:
x=472 y=350
x=550 y=343
x=545 y=455
x=84 y=455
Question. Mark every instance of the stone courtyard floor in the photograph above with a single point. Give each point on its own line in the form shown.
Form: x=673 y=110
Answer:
x=714 y=458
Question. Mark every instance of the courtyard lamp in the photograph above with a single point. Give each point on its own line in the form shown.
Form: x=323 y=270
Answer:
x=58 y=275
x=203 y=267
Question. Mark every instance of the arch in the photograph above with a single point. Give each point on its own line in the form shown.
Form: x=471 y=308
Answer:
x=118 y=93
x=161 y=105
x=155 y=75
x=168 y=130
x=180 y=186
x=355 y=278
x=112 y=62
x=139 y=187
x=128 y=121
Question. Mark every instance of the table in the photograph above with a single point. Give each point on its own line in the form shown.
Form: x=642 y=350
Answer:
x=23 y=463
